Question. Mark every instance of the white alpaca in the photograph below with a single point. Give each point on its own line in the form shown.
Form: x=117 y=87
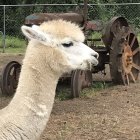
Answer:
x=54 y=48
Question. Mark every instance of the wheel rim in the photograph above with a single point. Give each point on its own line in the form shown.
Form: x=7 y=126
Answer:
x=127 y=56
x=79 y=80
x=10 y=76
x=130 y=57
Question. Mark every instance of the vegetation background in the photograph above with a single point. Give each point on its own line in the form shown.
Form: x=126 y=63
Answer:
x=102 y=10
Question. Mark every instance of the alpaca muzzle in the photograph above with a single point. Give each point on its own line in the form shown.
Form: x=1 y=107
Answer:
x=95 y=56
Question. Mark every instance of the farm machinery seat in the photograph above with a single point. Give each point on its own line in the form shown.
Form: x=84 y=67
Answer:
x=38 y=18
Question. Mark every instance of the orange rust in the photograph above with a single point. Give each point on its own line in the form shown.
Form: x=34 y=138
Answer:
x=127 y=58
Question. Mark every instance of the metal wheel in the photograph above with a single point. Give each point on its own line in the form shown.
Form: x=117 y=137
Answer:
x=125 y=57
x=10 y=76
x=112 y=28
x=79 y=80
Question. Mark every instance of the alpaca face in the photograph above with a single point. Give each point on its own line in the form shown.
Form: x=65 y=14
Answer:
x=79 y=55
x=67 y=38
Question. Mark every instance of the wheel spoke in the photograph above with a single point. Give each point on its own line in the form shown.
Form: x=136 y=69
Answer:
x=136 y=51
x=124 y=78
x=128 y=37
x=136 y=66
x=132 y=42
x=132 y=76
x=127 y=79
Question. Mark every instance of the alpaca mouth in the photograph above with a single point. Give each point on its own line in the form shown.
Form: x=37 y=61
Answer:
x=91 y=64
x=95 y=62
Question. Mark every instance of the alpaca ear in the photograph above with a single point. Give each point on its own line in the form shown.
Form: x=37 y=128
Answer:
x=35 y=33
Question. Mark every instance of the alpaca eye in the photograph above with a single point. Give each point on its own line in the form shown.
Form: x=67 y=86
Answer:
x=67 y=44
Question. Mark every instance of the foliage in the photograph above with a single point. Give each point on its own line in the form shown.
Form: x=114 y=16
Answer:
x=13 y=44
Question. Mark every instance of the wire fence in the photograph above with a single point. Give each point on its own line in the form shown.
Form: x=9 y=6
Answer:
x=13 y=16
x=104 y=12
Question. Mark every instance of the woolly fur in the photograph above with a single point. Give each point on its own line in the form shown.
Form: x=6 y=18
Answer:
x=62 y=29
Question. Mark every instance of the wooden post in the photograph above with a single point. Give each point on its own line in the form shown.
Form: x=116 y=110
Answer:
x=85 y=11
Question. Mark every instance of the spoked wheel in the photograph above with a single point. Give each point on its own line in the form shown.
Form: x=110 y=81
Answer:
x=79 y=80
x=125 y=58
x=10 y=76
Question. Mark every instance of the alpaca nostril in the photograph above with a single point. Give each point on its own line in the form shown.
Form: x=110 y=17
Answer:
x=96 y=55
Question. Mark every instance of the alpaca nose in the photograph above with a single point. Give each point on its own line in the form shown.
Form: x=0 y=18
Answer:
x=96 y=55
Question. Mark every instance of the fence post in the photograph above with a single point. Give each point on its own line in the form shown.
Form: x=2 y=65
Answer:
x=4 y=29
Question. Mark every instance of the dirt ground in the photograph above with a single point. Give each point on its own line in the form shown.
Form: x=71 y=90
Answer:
x=109 y=114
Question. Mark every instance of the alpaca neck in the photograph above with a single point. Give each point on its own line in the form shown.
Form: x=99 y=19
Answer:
x=35 y=94
x=37 y=82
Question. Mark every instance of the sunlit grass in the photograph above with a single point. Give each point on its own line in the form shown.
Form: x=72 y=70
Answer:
x=64 y=91
x=95 y=88
x=13 y=45
x=138 y=36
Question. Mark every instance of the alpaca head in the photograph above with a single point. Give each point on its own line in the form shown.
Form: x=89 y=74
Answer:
x=65 y=39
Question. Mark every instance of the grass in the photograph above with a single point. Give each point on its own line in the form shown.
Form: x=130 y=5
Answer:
x=64 y=91
x=96 y=86
x=94 y=36
x=13 y=45
x=14 y=50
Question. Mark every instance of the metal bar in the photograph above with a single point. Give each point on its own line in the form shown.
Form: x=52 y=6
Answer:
x=2 y=39
x=4 y=29
x=90 y=4
x=111 y=4
x=85 y=11
x=39 y=5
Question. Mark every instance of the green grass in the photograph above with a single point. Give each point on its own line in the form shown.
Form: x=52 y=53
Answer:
x=94 y=89
x=95 y=35
x=13 y=45
x=64 y=91
x=14 y=50
x=138 y=36
x=63 y=95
